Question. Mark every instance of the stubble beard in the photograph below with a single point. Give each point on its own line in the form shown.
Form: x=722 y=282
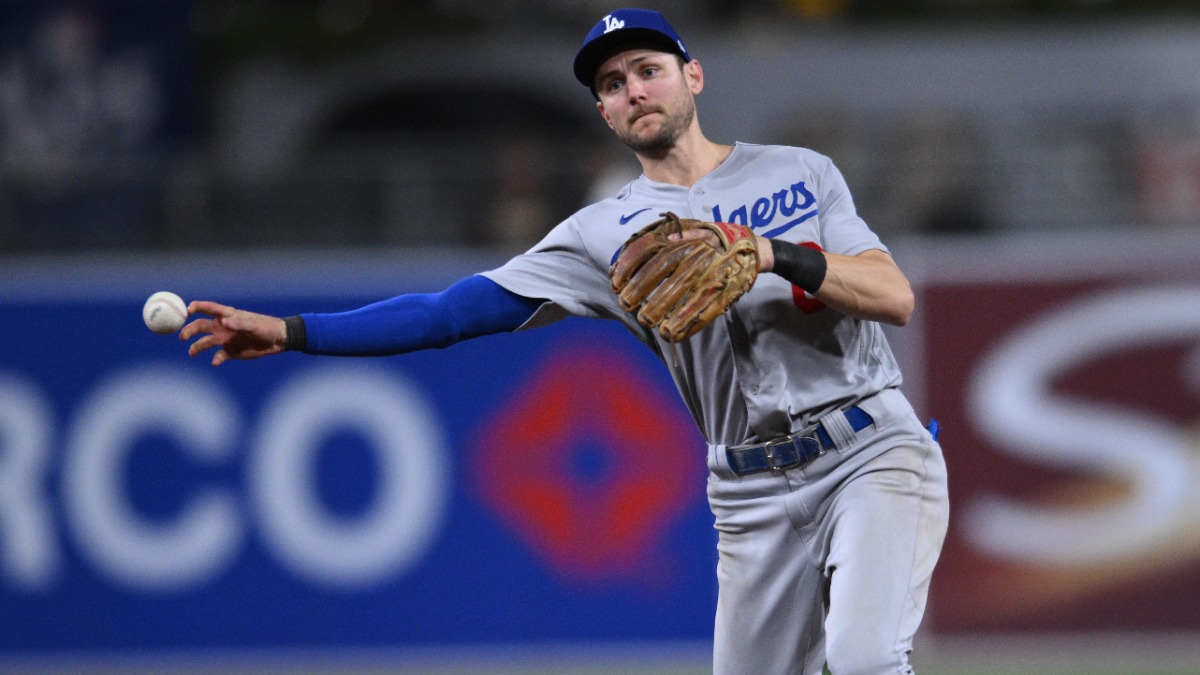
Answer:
x=662 y=142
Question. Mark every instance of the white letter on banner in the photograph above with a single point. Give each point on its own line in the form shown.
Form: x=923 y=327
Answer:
x=1014 y=405
x=28 y=553
x=410 y=498
x=203 y=537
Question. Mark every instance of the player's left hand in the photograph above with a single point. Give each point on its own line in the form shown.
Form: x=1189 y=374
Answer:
x=240 y=334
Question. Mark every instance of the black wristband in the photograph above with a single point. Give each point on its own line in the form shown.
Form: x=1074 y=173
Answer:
x=800 y=265
x=296 y=336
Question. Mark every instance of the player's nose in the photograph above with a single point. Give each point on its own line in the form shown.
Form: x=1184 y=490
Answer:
x=635 y=90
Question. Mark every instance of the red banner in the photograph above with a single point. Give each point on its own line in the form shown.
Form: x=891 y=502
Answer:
x=1071 y=412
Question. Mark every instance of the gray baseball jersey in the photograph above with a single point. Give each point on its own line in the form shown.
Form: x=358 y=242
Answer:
x=778 y=358
x=873 y=509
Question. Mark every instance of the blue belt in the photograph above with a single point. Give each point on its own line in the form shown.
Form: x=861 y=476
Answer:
x=791 y=451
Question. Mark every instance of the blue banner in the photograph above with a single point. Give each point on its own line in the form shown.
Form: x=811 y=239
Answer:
x=546 y=486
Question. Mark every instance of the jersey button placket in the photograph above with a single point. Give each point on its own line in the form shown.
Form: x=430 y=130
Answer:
x=694 y=202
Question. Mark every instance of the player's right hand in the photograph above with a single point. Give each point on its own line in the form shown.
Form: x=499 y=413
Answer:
x=766 y=257
x=239 y=334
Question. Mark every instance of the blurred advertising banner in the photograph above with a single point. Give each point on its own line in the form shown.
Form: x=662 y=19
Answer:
x=546 y=487
x=1067 y=375
x=97 y=99
x=82 y=78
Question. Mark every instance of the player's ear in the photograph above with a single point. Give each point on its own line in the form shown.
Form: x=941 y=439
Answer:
x=604 y=113
x=694 y=75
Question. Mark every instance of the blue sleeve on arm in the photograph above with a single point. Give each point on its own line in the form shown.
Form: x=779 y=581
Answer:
x=472 y=307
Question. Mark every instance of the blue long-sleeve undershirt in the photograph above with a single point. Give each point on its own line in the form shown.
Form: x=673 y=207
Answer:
x=469 y=308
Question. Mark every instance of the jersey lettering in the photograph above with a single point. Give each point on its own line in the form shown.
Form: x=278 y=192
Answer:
x=762 y=213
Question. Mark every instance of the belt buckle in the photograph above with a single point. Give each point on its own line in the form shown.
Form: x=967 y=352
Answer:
x=791 y=459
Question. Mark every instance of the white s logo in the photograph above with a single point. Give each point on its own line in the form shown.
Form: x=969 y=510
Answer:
x=1011 y=401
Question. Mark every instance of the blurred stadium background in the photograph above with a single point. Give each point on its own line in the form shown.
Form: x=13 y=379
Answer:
x=1034 y=164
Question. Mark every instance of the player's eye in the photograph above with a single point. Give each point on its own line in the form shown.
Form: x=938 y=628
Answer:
x=613 y=86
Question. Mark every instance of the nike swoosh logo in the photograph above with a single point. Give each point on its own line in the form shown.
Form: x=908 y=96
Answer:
x=625 y=219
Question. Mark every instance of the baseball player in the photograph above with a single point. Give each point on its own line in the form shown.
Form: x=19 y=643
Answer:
x=828 y=493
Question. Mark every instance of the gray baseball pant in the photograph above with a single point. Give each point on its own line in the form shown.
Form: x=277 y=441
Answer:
x=830 y=562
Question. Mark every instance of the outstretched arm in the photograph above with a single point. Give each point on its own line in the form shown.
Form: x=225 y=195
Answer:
x=470 y=308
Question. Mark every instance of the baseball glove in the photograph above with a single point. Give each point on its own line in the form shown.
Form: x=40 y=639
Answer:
x=679 y=287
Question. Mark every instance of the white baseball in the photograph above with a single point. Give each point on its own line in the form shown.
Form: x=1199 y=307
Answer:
x=164 y=312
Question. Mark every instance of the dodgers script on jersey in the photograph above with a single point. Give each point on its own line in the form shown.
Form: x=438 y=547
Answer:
x=741 y=383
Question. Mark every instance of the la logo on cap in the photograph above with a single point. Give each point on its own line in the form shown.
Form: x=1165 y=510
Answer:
x=611 y=24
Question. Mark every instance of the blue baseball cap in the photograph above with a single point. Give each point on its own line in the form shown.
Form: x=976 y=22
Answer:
x=624 y=25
